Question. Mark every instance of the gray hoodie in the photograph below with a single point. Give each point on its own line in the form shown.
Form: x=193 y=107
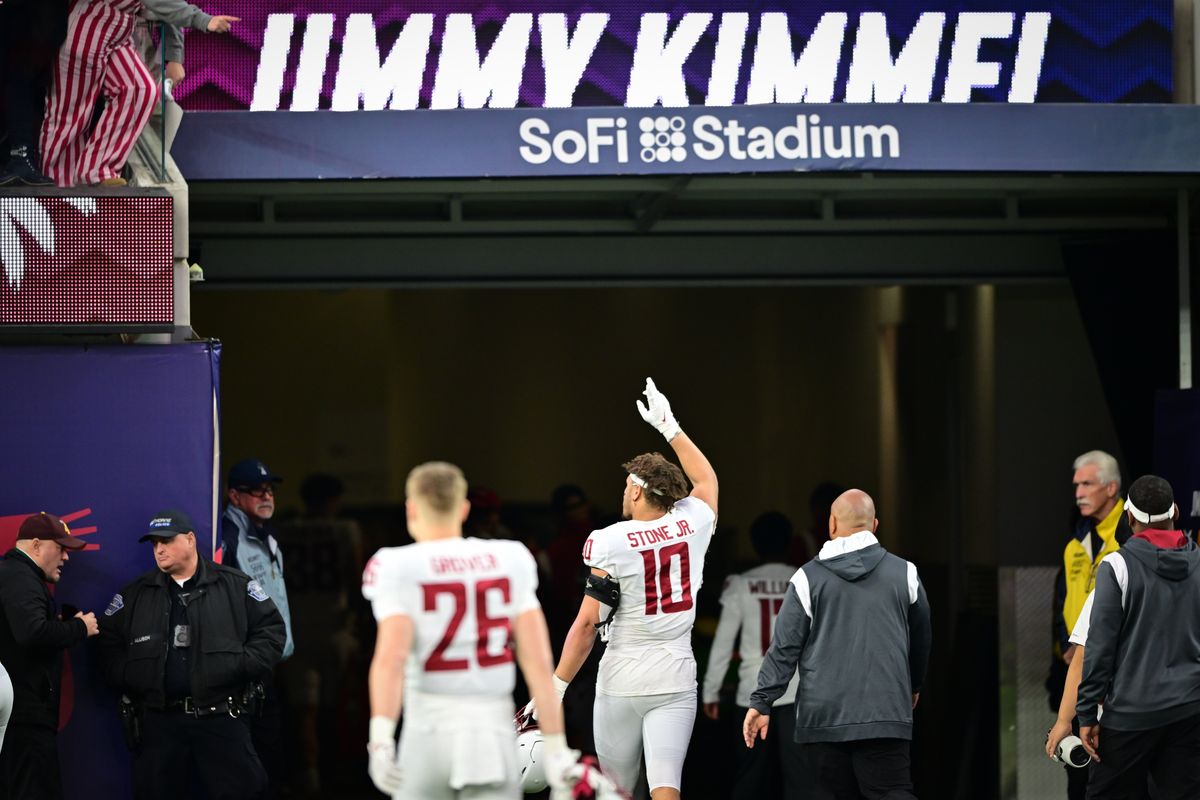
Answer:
x=855 y=622
x=1143 y=649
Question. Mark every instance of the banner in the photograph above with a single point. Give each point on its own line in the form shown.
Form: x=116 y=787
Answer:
x=104 y=437
x=346 y=55
x=739 y=139
x=88 y=263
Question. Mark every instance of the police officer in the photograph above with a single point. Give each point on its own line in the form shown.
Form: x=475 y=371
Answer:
x=185 y=642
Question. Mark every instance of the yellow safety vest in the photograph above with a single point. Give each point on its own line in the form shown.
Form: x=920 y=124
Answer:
x=1080 y=571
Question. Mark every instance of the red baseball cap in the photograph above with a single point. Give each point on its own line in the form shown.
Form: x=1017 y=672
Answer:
x=48 y=526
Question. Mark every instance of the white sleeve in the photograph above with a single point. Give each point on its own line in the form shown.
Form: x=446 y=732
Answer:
x=1079 y=633
x=696 y=508
x=384 y=585
x=525 y=574
x=723 y=641
x=595 y=554
x=914 y=583
x=803 y=591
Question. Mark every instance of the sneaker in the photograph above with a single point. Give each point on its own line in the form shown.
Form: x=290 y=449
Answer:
x=117 y=181
x=21 y=170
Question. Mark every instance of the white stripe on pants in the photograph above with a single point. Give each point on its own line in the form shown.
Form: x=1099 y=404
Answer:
x=661 y=724
x=96 y=57
x=6 y=703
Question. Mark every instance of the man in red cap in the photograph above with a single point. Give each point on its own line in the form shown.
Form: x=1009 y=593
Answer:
x=32 y=638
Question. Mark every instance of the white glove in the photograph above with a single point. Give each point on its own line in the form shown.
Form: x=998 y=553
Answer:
x=529 y=712
x=559 y=759
x=381 y=756
x=657 y=411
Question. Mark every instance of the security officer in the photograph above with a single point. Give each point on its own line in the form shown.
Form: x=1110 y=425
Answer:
x=186 y=642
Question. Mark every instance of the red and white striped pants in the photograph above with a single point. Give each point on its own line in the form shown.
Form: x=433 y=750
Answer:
x=97 y=57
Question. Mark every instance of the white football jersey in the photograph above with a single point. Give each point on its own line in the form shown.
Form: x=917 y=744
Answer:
x=462 y=596
x=660 y=566
x=750 y=604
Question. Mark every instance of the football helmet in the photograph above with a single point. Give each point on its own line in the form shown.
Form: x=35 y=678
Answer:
x=529 y=760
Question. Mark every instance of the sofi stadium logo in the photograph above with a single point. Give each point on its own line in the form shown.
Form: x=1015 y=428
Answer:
x=666 y=139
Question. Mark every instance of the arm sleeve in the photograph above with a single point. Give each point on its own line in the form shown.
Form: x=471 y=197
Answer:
x=525 y=594
x=722 y=646
x=787 y=643
x=25 y=608
x=265 y=633
x=1079 y=634
x=1061 y=634
x=386 y=586
x=172 y=44
x=595 y=555
x=1103 y=638
x=112 y=640
x=920 y=638
x=177 y=12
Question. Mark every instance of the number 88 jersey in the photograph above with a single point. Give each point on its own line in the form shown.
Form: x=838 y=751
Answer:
x=462 y=596
x=659 y=565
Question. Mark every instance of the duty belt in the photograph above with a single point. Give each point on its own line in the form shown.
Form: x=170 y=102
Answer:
x=187 y=706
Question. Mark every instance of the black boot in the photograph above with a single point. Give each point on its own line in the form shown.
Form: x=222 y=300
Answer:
x=22 y=171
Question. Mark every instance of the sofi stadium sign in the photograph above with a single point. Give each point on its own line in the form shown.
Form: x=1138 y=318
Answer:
x=350 y=55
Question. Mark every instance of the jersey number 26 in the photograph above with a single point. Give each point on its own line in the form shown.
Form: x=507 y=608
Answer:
x=457 y=591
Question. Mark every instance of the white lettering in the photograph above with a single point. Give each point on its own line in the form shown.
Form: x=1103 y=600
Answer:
x=657 y=74
x=965 y=71
x=873 y=74
x=494 y=82
x=537 y=149
x=394 y=84
x=314 y=53
x=1031 y=49
x=277 y=43
x=705 y=128
x=777 y=77
x=876 y=133
x=727 y=59
x=564 y=58
x=797 y=133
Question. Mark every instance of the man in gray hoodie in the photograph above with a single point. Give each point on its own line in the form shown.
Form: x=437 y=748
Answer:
x=1142 y=660
x=855 y=621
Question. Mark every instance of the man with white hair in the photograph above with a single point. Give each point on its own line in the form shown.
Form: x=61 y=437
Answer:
x=1101 y=530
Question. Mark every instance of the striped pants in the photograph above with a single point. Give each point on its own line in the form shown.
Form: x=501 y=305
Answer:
x=98 y=56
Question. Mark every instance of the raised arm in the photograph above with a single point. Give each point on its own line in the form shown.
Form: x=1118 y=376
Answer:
x=657 y=412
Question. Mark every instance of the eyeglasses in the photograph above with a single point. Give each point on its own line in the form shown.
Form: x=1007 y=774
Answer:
x=259 y=491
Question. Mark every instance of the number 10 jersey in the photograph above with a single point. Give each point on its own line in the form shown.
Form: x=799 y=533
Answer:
x=660 y=566
x=462 y=596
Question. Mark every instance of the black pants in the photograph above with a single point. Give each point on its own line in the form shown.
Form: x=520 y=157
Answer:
x=29 y=764
x=875 y=769
x=266 y=731
x=1170 y=755
x=761 y=769
x=31 y=31
x=215 y=751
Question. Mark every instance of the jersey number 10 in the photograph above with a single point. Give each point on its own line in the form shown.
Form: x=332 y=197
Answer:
x=437 y=661
x=659 y=590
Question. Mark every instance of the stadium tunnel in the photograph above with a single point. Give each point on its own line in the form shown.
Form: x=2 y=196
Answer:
x=949 y=344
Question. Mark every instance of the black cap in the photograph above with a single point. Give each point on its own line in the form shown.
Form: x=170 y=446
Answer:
x=48 y=526
x=167 y=524
x=250 y=473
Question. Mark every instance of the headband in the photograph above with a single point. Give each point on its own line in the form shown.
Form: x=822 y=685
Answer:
x=642 y=483
x=1145 y=517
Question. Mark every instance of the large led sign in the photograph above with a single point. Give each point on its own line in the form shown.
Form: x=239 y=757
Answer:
x=348 y=55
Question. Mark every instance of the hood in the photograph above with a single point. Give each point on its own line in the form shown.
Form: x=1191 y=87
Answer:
x=855 y=564
x=1174 y=563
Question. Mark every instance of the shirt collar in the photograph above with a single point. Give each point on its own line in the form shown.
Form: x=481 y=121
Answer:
x=847 y=544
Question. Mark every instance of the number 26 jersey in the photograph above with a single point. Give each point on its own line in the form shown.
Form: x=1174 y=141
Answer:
x=462 y=596
x=659 y=565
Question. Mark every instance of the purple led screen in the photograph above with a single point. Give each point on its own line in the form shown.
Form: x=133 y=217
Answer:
x=390 y=54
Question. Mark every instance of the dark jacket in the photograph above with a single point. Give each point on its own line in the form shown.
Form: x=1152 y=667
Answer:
x=856 y=626
x=32 y=640
x=237 y=635
x=1142 y=659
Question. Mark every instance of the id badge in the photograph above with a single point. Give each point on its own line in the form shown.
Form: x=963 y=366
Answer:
x=183 y=636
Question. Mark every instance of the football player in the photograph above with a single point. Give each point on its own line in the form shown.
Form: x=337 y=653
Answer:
x=645 y=573
x=750 y=603
x=449 y=610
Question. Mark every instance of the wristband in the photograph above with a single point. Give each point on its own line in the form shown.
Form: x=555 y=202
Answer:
x=382 y=729
x=560 y=686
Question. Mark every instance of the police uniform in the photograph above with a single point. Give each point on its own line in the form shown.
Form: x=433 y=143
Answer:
x=186 y=654
x=646 y=687
x=462 y=596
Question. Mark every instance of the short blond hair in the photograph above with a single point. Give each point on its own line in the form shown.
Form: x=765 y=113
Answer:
x=439 y=486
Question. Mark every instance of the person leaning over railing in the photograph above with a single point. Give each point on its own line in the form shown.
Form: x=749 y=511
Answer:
x=99 y=57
